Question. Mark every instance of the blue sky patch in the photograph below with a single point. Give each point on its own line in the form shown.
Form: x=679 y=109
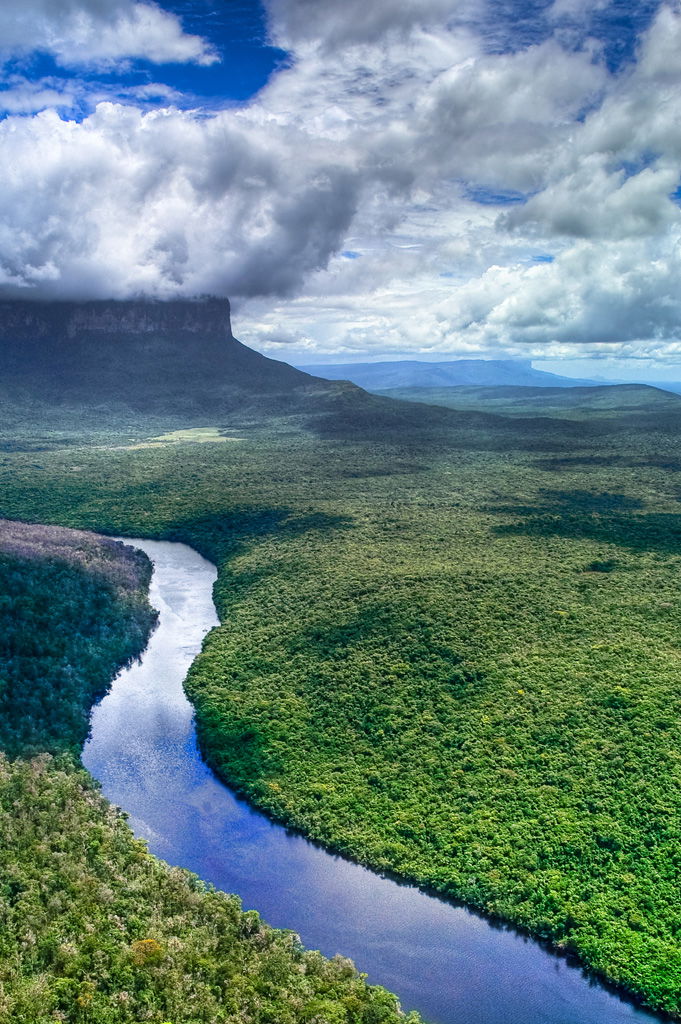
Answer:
x=236 y=29
x=486 y=196
x=517 y=24
x=633 y=167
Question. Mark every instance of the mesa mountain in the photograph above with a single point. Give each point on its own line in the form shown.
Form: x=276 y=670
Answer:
x=121 y=364
x=144 y=366
x=148 y=355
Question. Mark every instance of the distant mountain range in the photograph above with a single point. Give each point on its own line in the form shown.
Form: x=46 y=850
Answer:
x=410 y=373
x=630 y=402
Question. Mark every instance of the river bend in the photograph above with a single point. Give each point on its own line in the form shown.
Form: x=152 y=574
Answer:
x=451 y=965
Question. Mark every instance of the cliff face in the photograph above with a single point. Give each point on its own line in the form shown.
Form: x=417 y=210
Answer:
x=74 y=366
x=23 y=320
x=148 y=355
x=207 y=318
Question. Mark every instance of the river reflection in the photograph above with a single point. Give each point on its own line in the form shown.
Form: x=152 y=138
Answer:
x=452 y=966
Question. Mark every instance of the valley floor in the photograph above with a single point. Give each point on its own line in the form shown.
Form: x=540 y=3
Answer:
x=454 y=659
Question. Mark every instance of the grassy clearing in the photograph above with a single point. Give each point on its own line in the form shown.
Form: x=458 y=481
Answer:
x=192 y=435
x=198 y=434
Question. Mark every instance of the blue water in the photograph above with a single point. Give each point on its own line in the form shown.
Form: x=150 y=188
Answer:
x=452 y=966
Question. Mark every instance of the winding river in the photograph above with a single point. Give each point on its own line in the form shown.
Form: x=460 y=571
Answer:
x=451 y=965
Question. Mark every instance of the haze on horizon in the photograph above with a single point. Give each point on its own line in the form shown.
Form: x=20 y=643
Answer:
x=414 y=179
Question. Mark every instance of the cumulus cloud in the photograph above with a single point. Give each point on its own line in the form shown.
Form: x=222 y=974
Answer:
x=589 y=296
x=518 y=202
x=79 y=32
x=591 y=301
x=592 y=202
x=588 y=261
x=165 y=203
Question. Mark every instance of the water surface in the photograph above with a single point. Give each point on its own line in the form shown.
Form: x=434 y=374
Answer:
x=452 y=966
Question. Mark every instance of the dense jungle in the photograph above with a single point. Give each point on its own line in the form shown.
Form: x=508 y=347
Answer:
x=451 y=654
x=92 y=927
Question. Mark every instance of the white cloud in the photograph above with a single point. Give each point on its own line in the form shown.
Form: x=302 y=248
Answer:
x=592 y=202
x=165 y=202
x=378 y=140
x=328 y=25
x=593 y=300
x=77 y=32
x=21 y=96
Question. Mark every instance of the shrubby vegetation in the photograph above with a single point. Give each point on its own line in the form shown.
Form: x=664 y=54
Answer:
x=93 y=929
x=454 y=656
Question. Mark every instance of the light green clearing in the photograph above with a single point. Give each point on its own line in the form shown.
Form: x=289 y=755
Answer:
x=196 y=435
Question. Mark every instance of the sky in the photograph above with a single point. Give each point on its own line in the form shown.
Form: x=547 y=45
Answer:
x=397 y=179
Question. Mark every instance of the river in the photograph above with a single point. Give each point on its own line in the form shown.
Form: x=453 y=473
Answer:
x=451 y=965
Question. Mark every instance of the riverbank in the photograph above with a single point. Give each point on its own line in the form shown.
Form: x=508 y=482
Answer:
x=73 y=611
x=441 y=960
x=93 y=927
